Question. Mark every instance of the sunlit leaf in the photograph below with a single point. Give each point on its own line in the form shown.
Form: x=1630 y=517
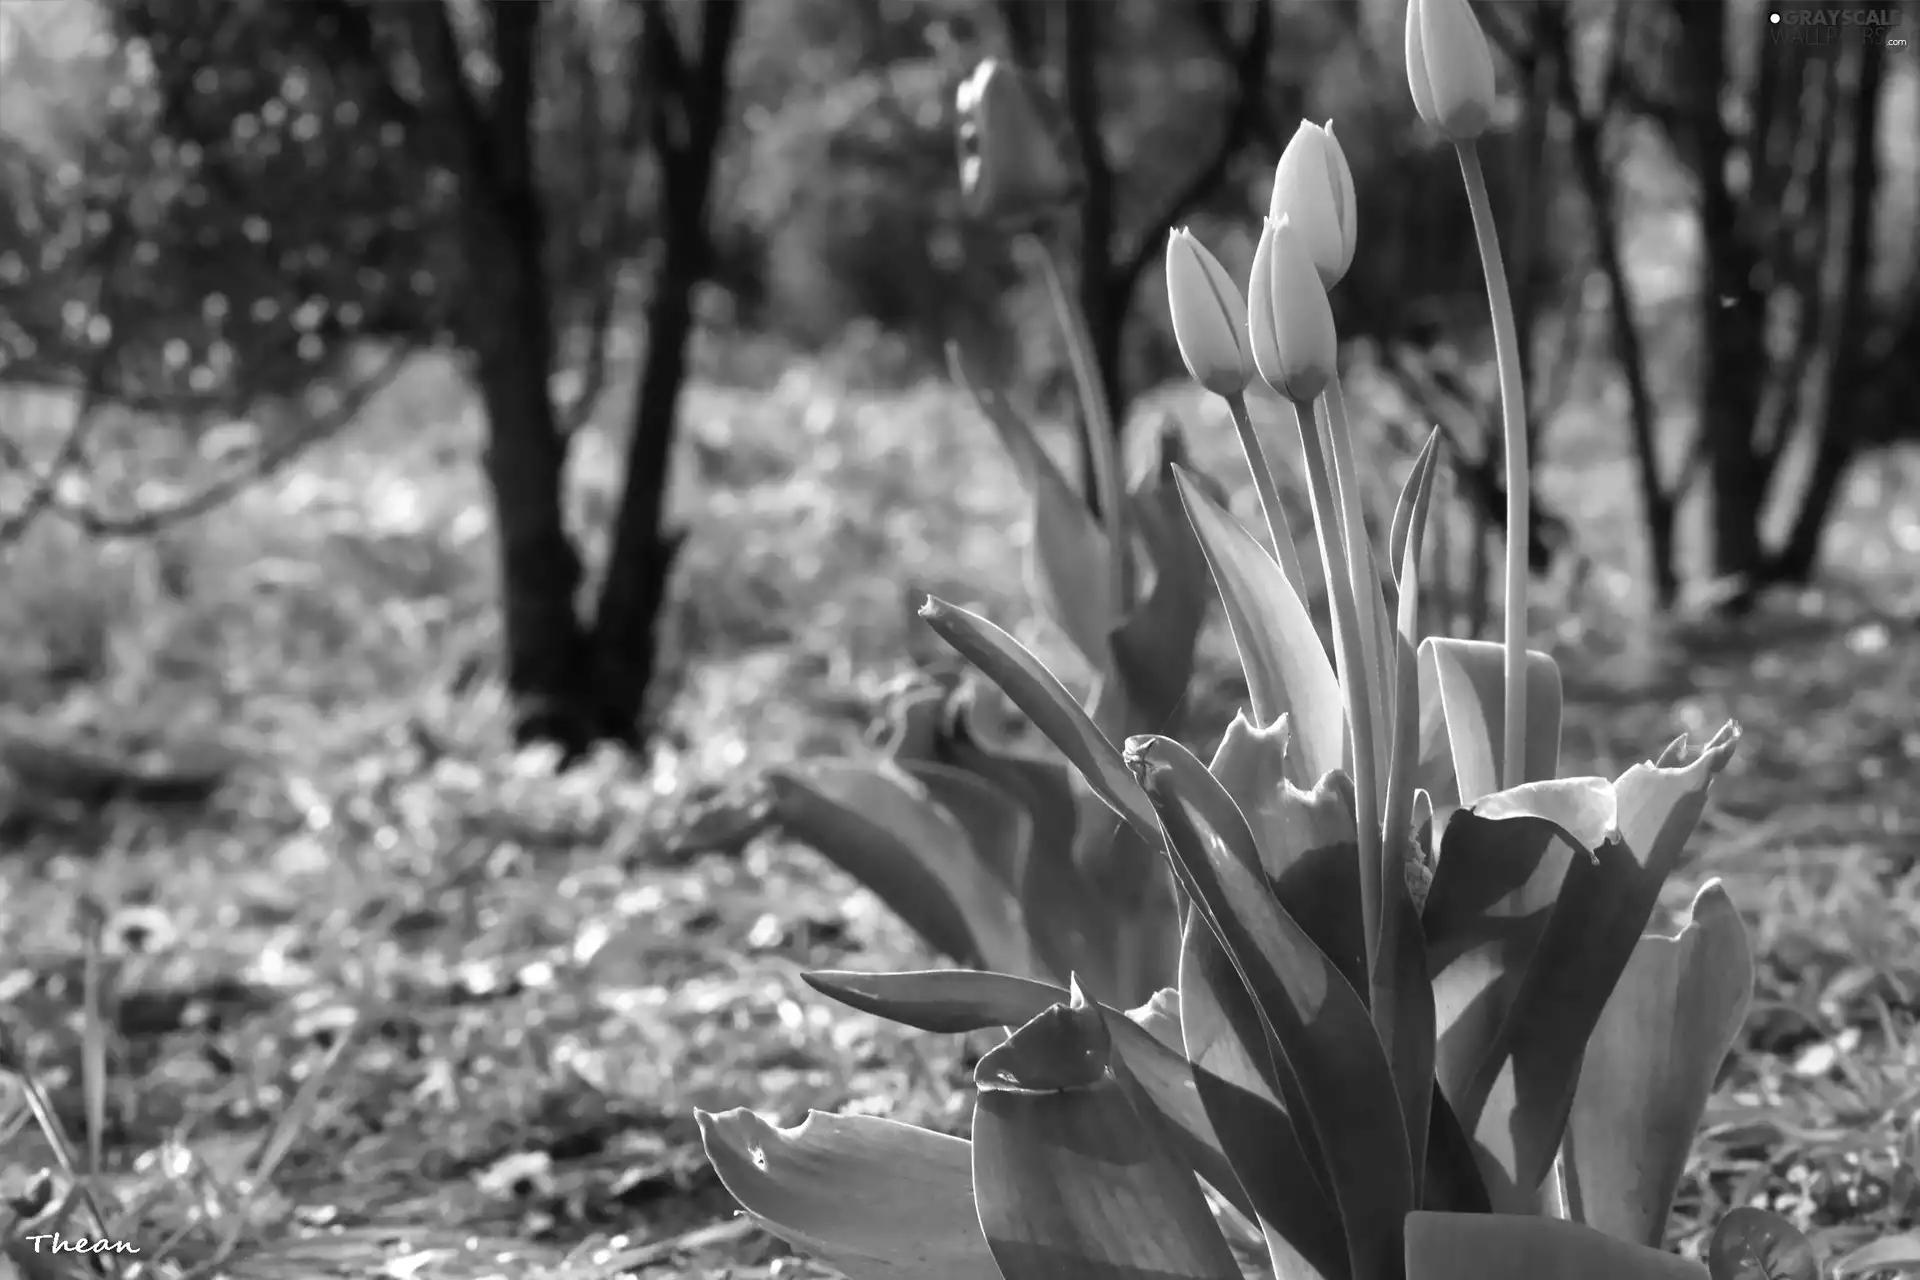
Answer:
x=1462 y=699
x=1516 y=1100
x=1650 y=1066
x=1752 y=1244
x=1479 y=1246
x=1286 y=666
x=877 y=1199
x=1071 y=1179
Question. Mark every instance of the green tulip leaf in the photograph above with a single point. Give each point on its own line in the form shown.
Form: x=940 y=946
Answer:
x=1068 y=561
x=1476 y=1246
x=1462 y=699
x=1039 y=693
x=1286 y=666
x=1650 y=1066
x=1753 y=1244
x=886 y=830
x=955 y=1001
x=1312 y=1014
x=874 y=1198
x=1071 y=1179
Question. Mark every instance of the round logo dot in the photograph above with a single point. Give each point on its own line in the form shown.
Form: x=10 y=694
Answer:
x=1774 y=18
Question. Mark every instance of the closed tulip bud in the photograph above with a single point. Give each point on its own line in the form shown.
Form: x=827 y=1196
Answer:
x=1288 y=317
x=1449 y=67
x=1012 y=166
x=1209 y=317
x=1313 y=188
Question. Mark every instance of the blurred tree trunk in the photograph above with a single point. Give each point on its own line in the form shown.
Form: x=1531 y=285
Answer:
x=688 y=114
x=1732 y=304
x=1849 y=386
x=1787 y=216
x=576 y=681
x=507 y=325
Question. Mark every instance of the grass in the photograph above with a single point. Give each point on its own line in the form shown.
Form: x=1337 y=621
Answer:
x=397 y=1001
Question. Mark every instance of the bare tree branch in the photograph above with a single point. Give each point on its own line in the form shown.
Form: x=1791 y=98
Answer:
x=1249 y=63
x=142 y=523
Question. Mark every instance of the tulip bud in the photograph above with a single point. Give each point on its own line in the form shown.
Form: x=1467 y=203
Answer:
x=1209 y=317
x=1012 y=167
x=1313 y=187
x=1449 y=67
x=1288 y=318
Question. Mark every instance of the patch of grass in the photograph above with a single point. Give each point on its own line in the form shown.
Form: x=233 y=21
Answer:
x=397 y=1000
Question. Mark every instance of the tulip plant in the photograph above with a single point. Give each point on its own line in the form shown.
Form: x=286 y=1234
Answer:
x=1419 y=1027
x=999 y=857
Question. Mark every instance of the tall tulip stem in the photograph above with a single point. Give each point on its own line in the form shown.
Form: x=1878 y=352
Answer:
x=1352 y=668
x=1102 y=443
x=1284 y=552
x=1513 y=411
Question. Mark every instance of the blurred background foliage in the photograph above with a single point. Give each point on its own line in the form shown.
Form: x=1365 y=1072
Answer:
x=238 y=215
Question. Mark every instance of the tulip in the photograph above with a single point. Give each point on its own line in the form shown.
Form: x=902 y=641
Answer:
x=1209 y=317
x=1449 y=68
x=1313 y=187
x=1012 y=168
x=1288 y=317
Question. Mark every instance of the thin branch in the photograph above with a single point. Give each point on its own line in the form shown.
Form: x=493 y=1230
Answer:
x=1250 y=76
x=142 y=523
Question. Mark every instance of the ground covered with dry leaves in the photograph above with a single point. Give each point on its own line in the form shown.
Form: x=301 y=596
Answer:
x=397 y=1002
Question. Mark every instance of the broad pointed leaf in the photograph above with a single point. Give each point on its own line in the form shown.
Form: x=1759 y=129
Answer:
x=1753 y=1244
x=877 y=1199
x=1071 y=1179
x=1478 y=1246
x=877 y=824
x=1462 y=699
x=1519 y=1098
x=1068 y=561
x=1286 y=666
x=1038 y=693
x=1228 y=1043
x=1313 y=1014
x=955 y=1001
x=1491 y=895
x=1650 y=1066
